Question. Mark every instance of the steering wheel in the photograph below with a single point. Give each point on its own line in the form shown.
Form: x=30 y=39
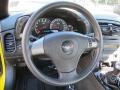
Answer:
x=64 y=48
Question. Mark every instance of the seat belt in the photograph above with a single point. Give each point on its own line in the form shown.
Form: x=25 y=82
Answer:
x=2 y=68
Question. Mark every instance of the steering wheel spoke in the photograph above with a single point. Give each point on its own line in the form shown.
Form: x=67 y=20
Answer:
x=37 y=47
x=65 y=76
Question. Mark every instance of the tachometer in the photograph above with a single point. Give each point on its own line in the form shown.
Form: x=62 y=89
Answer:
x=58 y=24
x=41 y=25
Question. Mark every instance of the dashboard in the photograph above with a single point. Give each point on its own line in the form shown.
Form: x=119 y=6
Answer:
x=13 y=26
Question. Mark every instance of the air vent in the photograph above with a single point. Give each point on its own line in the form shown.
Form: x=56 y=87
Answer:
x=116 y=28
x=9 y=42
x=110 y=29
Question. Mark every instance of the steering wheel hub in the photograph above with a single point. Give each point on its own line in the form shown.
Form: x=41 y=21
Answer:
x=67 y=47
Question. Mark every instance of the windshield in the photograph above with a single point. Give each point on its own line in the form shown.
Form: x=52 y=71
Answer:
x=92 y=5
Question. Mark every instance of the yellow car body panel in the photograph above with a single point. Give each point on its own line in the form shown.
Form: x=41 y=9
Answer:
x=3 y=74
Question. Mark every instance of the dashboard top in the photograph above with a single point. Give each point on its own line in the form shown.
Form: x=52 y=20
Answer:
x=106 y=16
x=10 y=22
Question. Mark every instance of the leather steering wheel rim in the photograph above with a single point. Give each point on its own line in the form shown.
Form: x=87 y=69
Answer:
x=26 y=48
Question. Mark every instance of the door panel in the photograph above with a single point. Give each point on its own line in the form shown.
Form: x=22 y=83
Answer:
x=2 y=67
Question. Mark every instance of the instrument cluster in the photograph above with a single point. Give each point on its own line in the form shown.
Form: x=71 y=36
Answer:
x=44 y=26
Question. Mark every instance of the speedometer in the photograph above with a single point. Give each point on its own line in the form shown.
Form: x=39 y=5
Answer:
x=58 y=24
x=41 y=25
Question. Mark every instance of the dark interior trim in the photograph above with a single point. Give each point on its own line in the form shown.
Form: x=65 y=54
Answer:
x=3 y=9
